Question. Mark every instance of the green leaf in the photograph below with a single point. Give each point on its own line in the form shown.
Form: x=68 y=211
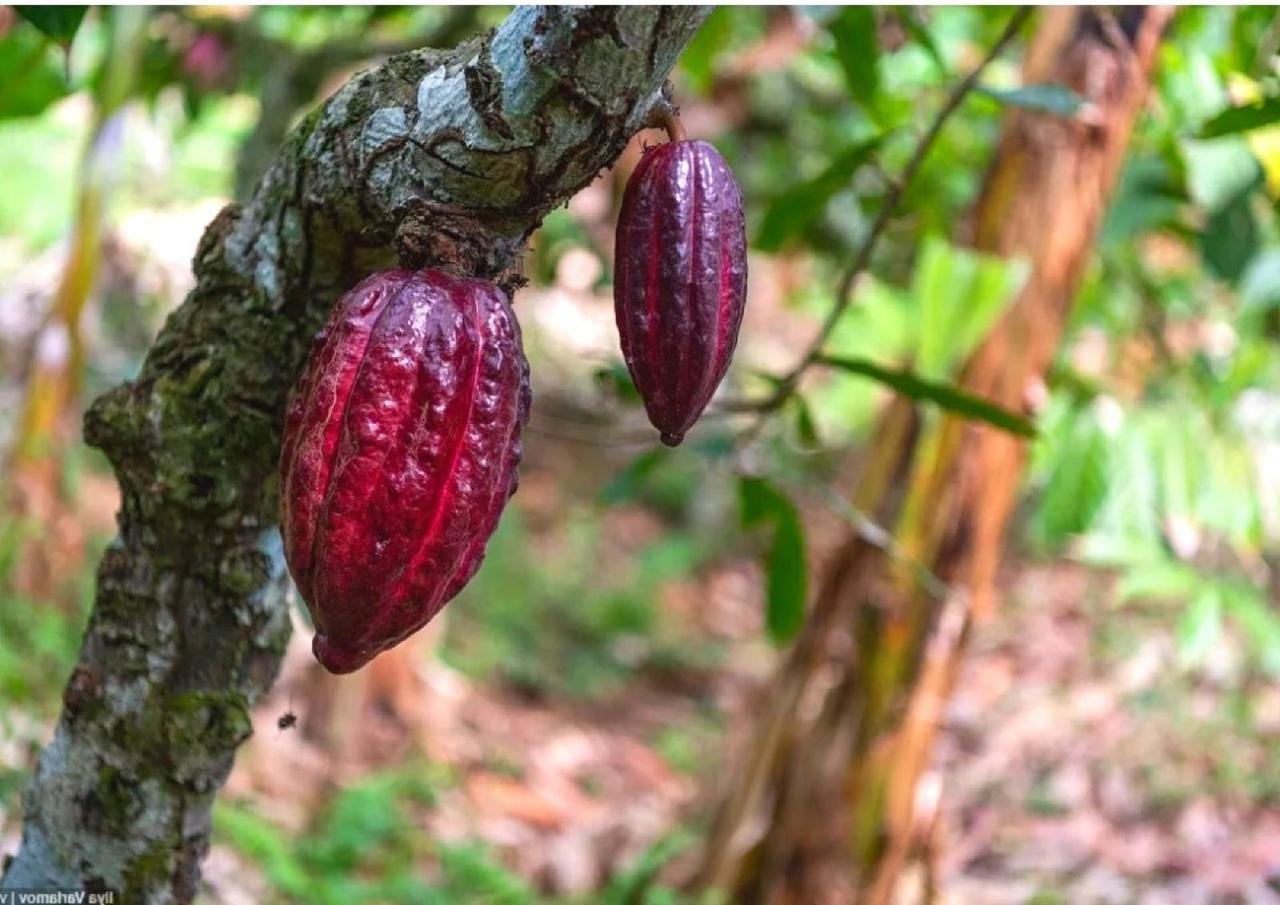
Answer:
x=633 y=885
x=1260 y=286
x=30 y=78
x=806 y=429
x=1044 y=98
x=786 y=581
x=921 y=35
x=944 y=395
x=1242 y=119
x=1077 y=485
x=960 y=294
x=1158 y=580
x=1230 y=237
x=1257 y=616
x=60 y=23
x=802 y=205
x=615 y=379
x=1219 y=171
x=1150 y=195
x=700 y=57
x=854 y=32
x=1200 y=626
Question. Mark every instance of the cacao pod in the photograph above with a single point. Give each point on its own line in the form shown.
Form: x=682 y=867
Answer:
x=400 y=452
x=680 y=280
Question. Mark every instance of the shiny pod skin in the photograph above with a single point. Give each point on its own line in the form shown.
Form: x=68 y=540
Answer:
x=680 y=280
x=400 y=451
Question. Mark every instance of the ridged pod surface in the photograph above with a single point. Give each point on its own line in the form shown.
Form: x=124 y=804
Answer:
x=400 y=452
x=680 y=280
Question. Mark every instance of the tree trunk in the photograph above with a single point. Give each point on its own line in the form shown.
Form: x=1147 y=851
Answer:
x=437 y=157
x=875 y=664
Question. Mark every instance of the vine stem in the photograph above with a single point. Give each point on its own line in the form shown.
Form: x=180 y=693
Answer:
x=862 y=258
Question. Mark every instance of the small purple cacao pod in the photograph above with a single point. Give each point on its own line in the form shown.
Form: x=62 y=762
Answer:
x=400 y=452
x=680 y=280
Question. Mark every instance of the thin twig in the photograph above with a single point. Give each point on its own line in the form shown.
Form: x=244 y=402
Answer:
x=787 y=385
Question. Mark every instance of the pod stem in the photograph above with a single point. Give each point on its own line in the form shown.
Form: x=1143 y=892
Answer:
x=665 y=117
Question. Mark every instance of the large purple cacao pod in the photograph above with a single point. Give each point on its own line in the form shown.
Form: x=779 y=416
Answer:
x=680 y=280
x=400 y=451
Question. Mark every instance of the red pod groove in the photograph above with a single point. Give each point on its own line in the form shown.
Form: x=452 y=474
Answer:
x=680 y=280
x=400 y=452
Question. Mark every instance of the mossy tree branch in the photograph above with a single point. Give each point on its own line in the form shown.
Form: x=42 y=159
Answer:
x=446 y=158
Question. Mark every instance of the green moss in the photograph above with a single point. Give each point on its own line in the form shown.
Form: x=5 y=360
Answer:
x=206 y=722
x=147 y=872
x=243 y=571
x=140 y=731
x=113 y=803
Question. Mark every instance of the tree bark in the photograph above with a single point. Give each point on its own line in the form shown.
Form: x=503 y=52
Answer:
x=448 y=158
x=834 y=765
x=291 y=81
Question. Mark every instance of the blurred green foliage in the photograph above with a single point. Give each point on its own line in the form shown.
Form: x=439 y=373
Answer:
x=786 y=571
x=38 y=638
x=368 y=846
x=1160 y=461
x=562 y=615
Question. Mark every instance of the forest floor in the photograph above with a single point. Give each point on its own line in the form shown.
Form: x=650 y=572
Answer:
x=1079 y=763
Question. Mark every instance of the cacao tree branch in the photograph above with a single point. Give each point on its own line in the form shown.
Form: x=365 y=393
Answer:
x=448 y=158
x=290 y=80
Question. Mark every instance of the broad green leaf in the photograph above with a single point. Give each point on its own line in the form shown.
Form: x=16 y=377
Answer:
x=854 y=32
x=921 y=35
x=1260 y=284
x=1148 y=197
x=995 y=283
x=1230 y=237
x=940 y=277
x=1174 y=465
x=60 y=23
x=1045 y=98
x=1163 y=579
x=946 y=396
x=786 y=579
x=698 y=61
x=1200 y=626
x=1255 y=614
x=30 y=78
x=1242 y=119
x=1228 y=502
x=802 y=205
x=1133 y=505
x=881 y=321
x=615 y=379
x=1077 y=485
x=960 y=295
x=1218 y=171
x=881 y=324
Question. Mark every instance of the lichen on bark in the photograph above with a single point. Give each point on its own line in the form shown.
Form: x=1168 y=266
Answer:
x=451 y=158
